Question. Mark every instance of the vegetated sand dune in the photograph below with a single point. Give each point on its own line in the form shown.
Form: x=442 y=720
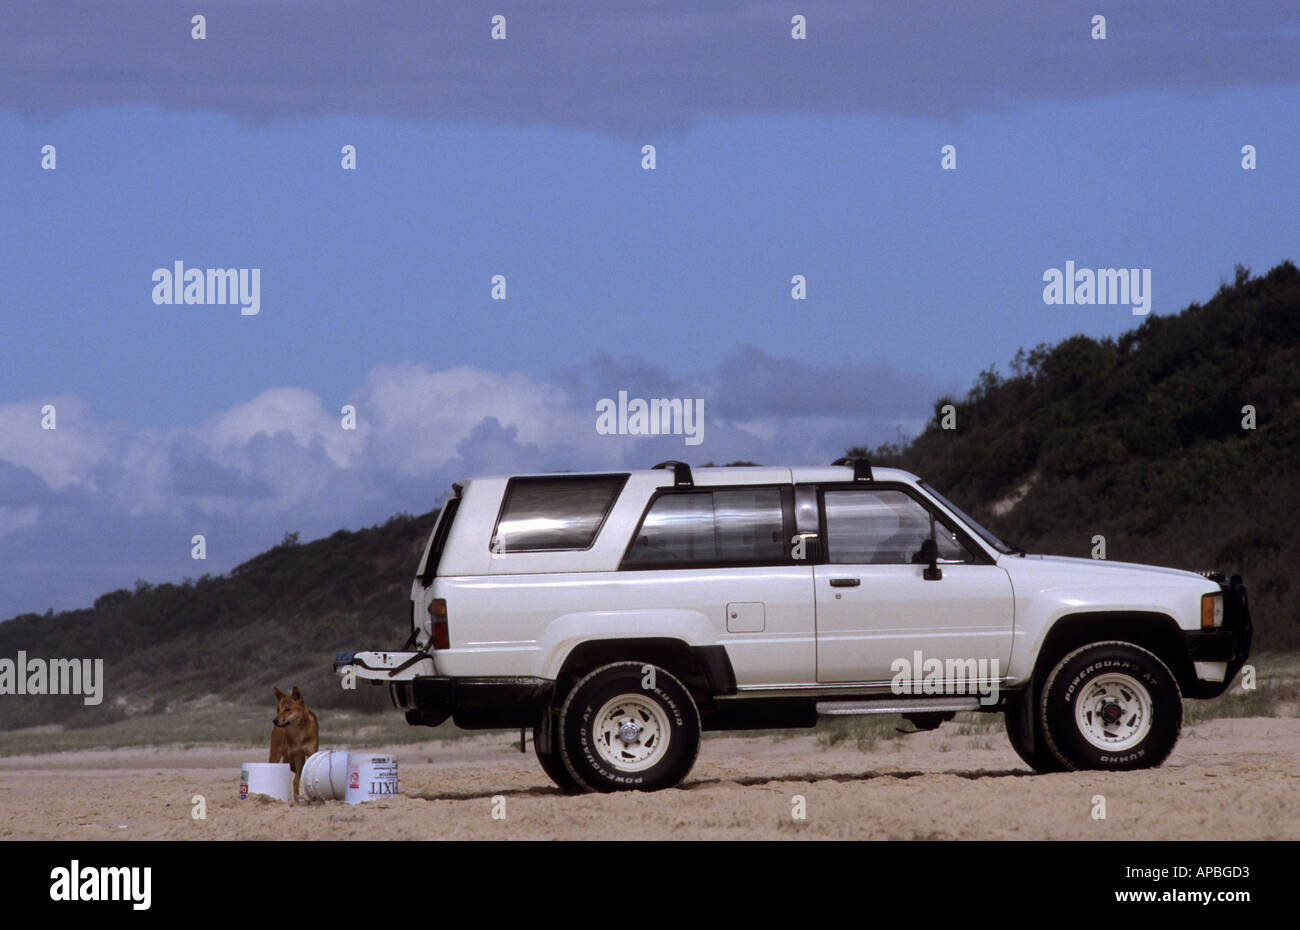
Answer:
x=1227 y=779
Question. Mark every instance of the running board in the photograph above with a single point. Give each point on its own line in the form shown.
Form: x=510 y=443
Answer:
x=941 y=705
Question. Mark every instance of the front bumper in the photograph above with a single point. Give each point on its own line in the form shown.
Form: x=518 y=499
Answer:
x=1224 y=650
x=473 y=703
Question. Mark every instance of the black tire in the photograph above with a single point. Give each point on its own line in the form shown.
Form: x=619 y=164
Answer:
x=664 y=717
x=1111 y=705
x=1040 y=758
x=553 y=764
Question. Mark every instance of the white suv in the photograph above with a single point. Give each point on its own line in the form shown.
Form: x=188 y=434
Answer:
x=619 y=614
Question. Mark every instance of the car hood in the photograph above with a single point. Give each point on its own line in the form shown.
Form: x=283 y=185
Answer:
x=1097 y=569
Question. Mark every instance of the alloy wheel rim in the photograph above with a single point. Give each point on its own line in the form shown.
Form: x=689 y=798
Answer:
x=1114 y=712
x=631 y=732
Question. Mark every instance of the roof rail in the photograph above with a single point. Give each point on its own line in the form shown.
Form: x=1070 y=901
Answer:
x=682 y=476
x=861 y=467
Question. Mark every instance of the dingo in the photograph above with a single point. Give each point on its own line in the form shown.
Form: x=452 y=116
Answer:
x=295 y=735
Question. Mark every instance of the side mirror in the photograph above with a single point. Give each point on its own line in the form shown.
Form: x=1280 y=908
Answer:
x=930 y=555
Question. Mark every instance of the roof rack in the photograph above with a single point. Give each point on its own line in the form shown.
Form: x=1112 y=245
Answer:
x=682 y=476
x=861 y=467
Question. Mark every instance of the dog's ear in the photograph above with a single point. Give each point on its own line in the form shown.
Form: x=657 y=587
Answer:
x=278 y=693
x=297 y=695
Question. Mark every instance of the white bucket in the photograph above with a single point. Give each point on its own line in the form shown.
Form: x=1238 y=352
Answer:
x=274 y=779
x=325 y=775
x=370 y=778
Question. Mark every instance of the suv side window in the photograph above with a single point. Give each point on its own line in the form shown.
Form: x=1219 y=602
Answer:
x=723 y=526
x=550 y=513
x=883 y=527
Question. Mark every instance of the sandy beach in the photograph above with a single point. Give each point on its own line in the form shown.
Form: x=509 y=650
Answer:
x=1227 y=779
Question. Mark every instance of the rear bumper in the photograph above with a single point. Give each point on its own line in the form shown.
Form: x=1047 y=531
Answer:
x=473 y=703
x=383 y=665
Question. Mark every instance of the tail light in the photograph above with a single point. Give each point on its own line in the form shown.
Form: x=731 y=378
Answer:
x=438 y=614
x=1211 y=611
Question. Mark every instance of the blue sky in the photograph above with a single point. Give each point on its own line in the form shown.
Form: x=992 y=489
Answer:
x=523 y=158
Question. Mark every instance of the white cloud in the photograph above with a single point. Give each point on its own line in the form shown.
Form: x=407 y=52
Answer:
x=64 y=455
x=416 y=418
x=295 y=411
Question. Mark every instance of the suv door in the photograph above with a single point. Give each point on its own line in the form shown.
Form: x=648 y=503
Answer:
x=724 y=552
x=874 y=605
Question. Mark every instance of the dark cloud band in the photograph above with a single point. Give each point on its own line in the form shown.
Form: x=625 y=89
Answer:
x=626 y=68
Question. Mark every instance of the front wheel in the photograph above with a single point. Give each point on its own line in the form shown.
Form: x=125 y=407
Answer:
x=1111 y=705
x=1031 y=747
x=629 y=726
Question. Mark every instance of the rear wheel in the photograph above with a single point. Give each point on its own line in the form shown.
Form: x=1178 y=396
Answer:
x=1111 y=705
x=553 y=763
x=629 y=726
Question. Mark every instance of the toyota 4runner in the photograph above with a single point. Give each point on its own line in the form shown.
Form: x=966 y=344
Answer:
x=620 y=614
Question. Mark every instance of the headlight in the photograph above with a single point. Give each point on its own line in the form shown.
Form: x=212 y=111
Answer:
x=1211 y=611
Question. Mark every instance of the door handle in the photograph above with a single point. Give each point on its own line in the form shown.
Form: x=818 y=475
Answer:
x=845 y=582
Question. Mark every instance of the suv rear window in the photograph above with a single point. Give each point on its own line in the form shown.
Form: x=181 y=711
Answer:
x=440 y=533
x=736 y=525
x=552 y=513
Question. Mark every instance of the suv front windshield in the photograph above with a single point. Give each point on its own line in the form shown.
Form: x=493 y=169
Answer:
x=985 y=534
